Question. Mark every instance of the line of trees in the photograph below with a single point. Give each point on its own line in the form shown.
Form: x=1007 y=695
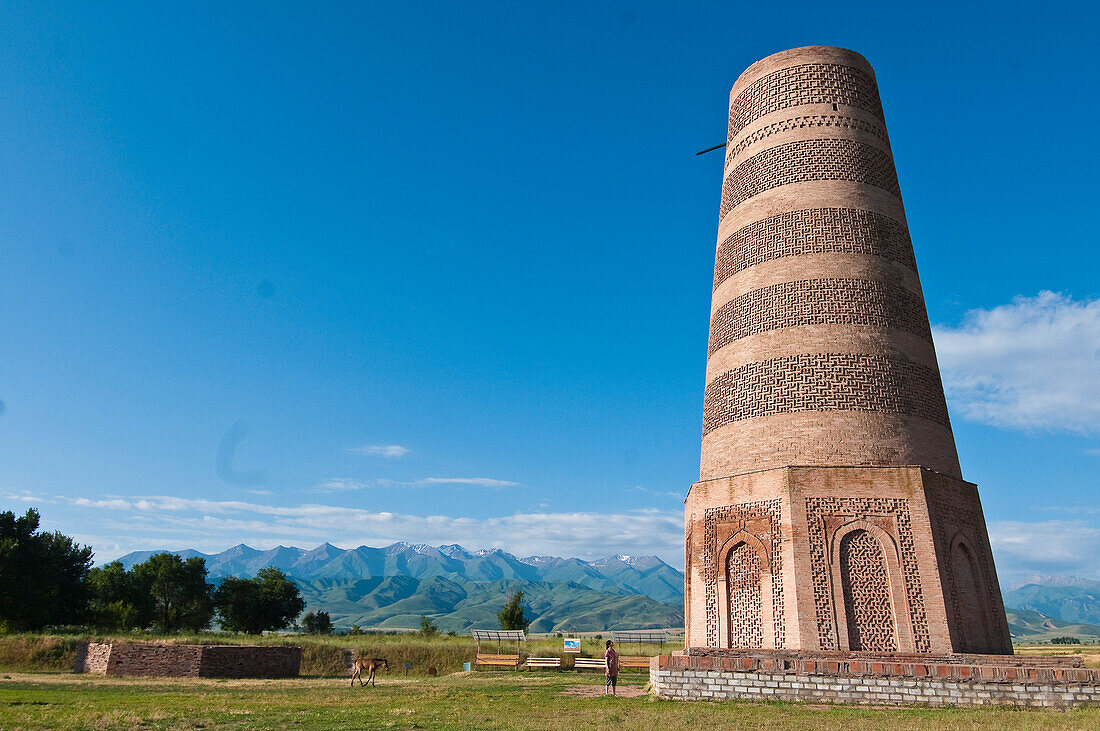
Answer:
x=47 y=580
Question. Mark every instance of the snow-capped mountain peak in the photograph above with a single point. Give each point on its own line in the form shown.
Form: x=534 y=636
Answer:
x=454 y=550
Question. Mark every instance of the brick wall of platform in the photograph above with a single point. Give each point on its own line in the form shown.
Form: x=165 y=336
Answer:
x=189 y=661
x=876 y=682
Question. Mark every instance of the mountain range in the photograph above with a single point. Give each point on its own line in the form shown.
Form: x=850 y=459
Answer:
x=392 y=586
x=1065 y=598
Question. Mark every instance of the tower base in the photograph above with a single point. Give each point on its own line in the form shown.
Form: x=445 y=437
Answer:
x=864 y=559
x=876 y=679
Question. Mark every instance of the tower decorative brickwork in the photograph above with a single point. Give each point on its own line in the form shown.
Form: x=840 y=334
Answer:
x=831 y=513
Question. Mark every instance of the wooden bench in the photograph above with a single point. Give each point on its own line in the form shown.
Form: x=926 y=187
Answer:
x=589 y=663
x=543 y=662
x=633 y=661
x=510 y=661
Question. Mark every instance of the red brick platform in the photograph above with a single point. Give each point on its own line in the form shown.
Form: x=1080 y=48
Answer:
x=189 y=661
x=876 y=678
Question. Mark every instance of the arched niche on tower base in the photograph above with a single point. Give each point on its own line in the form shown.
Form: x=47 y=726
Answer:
x=973 y=622
x=895 y=589
x=746 y=617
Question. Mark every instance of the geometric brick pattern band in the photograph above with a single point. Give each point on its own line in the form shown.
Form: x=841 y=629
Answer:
x=805 y=160
x=865 y=302
x=836 y=121
x=810 y=83
x=824 y=382
x=813 y=231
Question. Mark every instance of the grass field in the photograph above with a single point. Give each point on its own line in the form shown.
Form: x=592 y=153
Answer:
x=38 y=691
x=492 y=700
x=1089 y=654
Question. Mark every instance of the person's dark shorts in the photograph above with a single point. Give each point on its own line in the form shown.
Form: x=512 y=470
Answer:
x=611 y=681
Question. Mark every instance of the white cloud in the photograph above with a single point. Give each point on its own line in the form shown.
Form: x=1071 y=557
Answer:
x=661 y=493
x=341 y=484
x=113 y=503
x=1031 y=364
x=345 y=484
x=479 y=481
x=381 y=450
x=1047 y=547
x=157 y=522
x=26 y=497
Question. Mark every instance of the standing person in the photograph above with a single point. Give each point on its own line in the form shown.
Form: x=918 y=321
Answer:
x=612 y=659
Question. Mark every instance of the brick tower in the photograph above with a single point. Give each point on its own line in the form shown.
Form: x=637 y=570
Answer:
x=830 y=512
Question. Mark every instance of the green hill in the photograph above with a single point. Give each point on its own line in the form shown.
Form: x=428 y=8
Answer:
x=1065 y=598
x=1028 y=626
x=458 y=605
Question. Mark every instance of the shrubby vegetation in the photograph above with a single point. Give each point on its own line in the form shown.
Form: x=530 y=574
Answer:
x=47 y=580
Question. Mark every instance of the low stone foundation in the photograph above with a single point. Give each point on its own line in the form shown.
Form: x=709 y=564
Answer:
x=189 y=661
x=876 y=679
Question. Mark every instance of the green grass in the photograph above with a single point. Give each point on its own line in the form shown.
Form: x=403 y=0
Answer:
x=1089 y=654
x=37 y=691
x=464 y=701
x=321 y=656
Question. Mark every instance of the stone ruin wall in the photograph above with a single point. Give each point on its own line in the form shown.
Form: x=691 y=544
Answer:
x=189 y=661
x=240 y=661
x=92 y=657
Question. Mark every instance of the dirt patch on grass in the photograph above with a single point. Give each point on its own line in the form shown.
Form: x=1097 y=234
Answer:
x=596 y=691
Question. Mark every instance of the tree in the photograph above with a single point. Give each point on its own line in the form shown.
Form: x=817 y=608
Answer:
x=511 y=617
x=119 y=600
x=1065 y=641
x=41 y=575
x=428 y=628
x=181 y=597
x=268 y=601
x=317 y=624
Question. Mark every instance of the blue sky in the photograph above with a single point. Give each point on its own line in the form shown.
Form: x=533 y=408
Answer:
x=283 y=273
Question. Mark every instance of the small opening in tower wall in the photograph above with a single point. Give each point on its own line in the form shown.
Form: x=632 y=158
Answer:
x=834 y=107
